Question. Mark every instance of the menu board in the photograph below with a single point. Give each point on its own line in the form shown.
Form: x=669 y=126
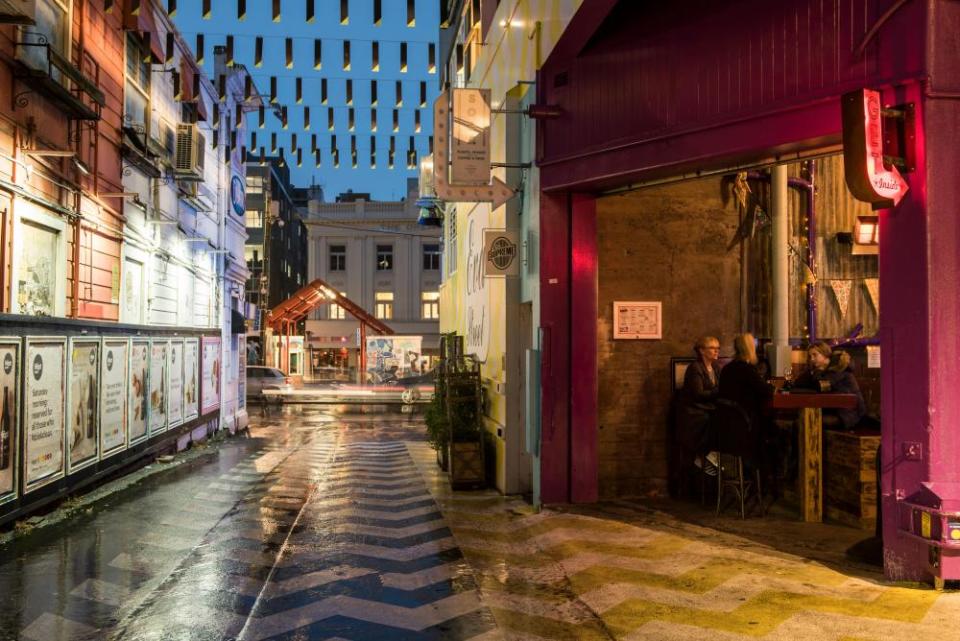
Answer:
x=83 y=396
x=175 y=397
x=637 y=320
x=139 y=391
x=158 y=385
x=191 y=401
x=113 y=395
x=210 y=364
x=43 y=411
x=9 y=417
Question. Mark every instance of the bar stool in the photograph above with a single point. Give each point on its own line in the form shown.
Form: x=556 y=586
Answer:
x=738 y=443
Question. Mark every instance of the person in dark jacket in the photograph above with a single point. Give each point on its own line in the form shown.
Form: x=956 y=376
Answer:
x=741 y=382
x=831 y=371
x=696 y=398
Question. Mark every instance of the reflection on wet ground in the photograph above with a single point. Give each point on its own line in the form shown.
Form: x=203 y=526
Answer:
x=335 y=523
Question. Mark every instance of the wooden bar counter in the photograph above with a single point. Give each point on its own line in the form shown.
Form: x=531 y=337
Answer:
x=810 y=433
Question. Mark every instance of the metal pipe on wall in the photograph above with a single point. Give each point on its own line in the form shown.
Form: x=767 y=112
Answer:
x=780 y=356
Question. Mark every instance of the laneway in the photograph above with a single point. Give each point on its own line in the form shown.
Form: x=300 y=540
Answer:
x=331 y=525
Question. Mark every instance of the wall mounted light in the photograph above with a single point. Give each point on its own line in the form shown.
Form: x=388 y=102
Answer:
x=866 y=236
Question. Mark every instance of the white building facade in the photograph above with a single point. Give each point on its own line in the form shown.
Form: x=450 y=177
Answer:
x=375 y=254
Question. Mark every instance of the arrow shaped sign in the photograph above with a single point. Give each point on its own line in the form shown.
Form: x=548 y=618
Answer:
x=496 y=193
x=868 y=178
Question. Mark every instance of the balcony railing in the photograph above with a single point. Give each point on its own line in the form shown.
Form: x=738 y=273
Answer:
x=48 y=73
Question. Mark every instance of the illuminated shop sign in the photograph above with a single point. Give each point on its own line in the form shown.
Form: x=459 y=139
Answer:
x=870 y=175
x=238 y=196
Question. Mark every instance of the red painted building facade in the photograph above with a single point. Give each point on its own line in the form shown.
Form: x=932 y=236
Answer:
x=666 y=92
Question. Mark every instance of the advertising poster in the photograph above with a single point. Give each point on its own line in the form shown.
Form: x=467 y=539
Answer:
x=9 y=419
x=83 y=396
x=242 y=373
x=43 y=425
x=113 y=395
x=158 y=385
x=191 y=401
x=175 y=405
x=139 y=391
x=210 y=363
x=391 y=358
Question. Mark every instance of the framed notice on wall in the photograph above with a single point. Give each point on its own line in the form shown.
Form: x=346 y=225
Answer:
x=10 y=417
x=159 y=349
x=139 y=404
x=83 y=402
x=210 y=369
x=114 y=358
x=175 y=397
x=637 y=320
x=43 y=420
x=191 y=379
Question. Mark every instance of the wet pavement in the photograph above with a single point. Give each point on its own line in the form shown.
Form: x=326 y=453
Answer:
x=335 y=523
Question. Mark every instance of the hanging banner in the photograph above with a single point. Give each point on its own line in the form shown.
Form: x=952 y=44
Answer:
x=113 y=395
x=501 y=252
x=242 y=372
x=210 y=381
x=191 y=401
x=9 y=418
x=139 y=391
x=470 y=144
x=83 y=396
x=43 y=411
x=175 y=405
x=841 y=289
x=158 y=385
x=873 y=288
x=390 y=358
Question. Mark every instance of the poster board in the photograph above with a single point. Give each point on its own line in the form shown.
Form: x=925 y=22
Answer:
x=175 y=395
x=114 y=380
x=139 y=405
x=391 y=358
x=44 y=382
x=9 y=417
x=637 y=320
x=242 y=372
x=191 y=378
x=83 y=403
x=159 y=350
x=210 y=356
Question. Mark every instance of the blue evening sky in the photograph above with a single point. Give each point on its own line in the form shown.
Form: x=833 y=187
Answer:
x=383 y=183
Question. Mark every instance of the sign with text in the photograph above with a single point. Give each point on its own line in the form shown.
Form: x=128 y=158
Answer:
x=868 y=175
x=210 y=357
x=478 y=312
x=159 y=349
x=175 y=405
x=242 y=372
x=637 y=320
x=139 y=391
x=470 y=142
x=113 y=395
x=83 y=400
x=501 y=253
x=9 y=419
x=191 y=401
x=43 y=411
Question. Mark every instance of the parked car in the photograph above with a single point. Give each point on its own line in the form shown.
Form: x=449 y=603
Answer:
x=260 y=378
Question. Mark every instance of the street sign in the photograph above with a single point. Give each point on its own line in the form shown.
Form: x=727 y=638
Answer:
x=501 y=256
x=496 y=192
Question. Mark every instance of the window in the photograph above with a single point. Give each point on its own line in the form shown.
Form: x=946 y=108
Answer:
x=254 y=218
x=384 y=309
x=452 y=242
x=337 y=312
x=39 y=265
x=133 y=273
x=431 y=257
x=430 y=305
x=254 y=185
x=136 y=98
x=384 y=258
x=51 y=27
x=338 y=258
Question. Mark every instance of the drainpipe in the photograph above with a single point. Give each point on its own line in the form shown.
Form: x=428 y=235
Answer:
x=780 y=348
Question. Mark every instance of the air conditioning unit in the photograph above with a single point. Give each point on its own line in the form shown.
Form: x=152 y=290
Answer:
x=191 y=148
x=18 y=12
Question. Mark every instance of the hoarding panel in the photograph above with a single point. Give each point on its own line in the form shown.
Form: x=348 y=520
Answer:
x=44 y=383
x=114 y=382
x=159 y=349
x=83 y=402
x=9 y=418
x=139 y=391
x=191 y=400
x=175 y=397
x=211 y=367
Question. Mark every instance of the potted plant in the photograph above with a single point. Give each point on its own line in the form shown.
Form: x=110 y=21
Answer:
x=438 y=430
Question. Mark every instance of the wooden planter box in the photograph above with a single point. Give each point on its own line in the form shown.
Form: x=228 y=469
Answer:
x=443 y=458
x=466 y=465
x=850 y=477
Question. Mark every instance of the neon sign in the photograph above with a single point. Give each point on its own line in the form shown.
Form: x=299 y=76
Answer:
x=869 y=178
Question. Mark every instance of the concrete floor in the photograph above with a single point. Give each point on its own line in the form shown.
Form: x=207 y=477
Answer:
x=335 y=523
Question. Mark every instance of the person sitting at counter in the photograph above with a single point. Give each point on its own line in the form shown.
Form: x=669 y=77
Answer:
x=741 y=381
x=831 y=371
x=696 y=402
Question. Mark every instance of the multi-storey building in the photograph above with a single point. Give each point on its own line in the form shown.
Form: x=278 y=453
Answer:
x=276 y=247
x=375 y=254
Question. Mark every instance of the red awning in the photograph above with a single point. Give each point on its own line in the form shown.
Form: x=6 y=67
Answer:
x=138 y=16
x=313 y=295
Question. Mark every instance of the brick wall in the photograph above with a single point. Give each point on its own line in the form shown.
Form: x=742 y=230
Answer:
x=668 y=244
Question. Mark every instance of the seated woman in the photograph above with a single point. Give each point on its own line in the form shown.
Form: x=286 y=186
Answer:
x=830 y=371
x=696 y=398
x=741 y=382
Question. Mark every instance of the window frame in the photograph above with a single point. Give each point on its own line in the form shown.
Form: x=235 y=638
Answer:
x=383 y=307
x=430 y=305
x=432 y=257
x=386 y=252
x=337 y=258
x=39 y=218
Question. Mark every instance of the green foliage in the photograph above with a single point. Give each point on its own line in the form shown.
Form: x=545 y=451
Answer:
x=438 y=428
